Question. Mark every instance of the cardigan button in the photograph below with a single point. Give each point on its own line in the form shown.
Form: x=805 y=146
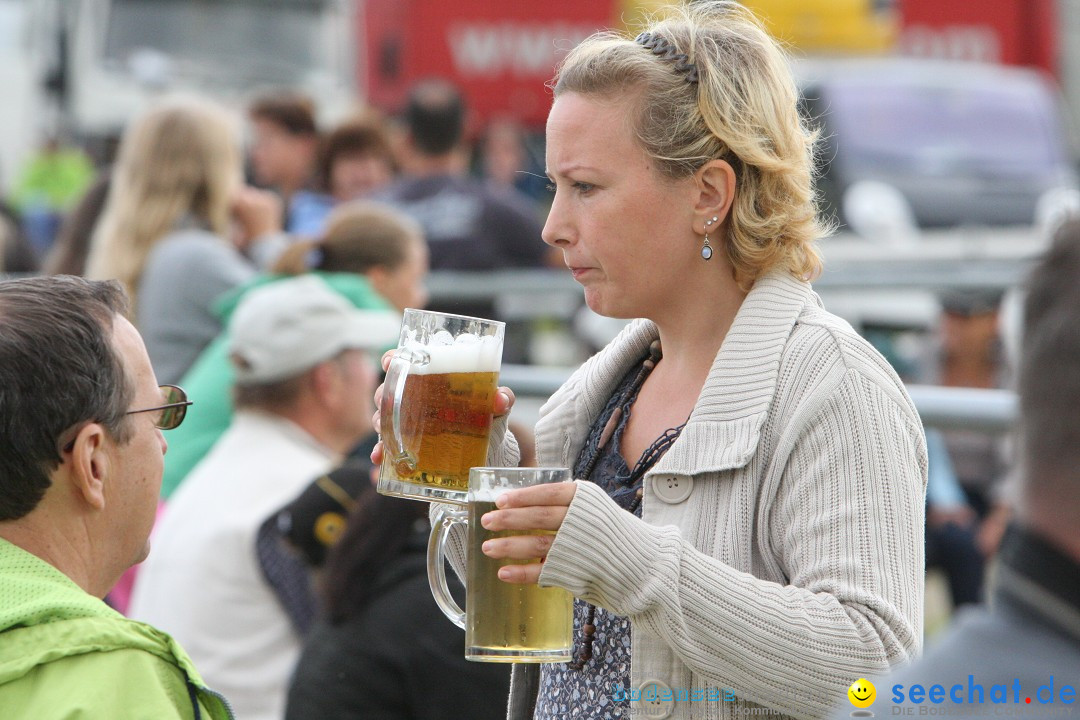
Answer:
x=656 y=700
x=673 y=489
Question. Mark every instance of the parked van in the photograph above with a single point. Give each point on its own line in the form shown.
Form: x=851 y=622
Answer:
x=962 y=143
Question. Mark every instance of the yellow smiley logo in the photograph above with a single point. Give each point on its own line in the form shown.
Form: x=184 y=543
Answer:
x=862 y=693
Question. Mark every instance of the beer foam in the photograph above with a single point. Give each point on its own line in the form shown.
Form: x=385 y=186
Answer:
x=488 y=494
x=466 y=353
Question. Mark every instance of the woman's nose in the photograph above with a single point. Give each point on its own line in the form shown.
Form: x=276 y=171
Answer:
x=556 y=230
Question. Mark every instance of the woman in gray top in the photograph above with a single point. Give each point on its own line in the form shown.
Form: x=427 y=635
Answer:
x=179 y=228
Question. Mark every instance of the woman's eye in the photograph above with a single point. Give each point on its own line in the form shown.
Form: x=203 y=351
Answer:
x=550 y=187
x=583 y=187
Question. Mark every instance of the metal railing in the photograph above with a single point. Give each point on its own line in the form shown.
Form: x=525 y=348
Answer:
x=956 y=259
x=939 y=407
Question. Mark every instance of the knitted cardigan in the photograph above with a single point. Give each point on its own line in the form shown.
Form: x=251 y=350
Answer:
x=779 y=556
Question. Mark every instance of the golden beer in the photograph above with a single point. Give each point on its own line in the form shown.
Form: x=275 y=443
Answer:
x=446 y=421
x=511 y=621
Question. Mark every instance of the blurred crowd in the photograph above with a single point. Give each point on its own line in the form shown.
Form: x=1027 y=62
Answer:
x=222 y=243
x=267 y=261
x=58 y=197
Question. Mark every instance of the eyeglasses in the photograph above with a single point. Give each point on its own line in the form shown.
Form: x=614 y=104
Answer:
x=173 y=410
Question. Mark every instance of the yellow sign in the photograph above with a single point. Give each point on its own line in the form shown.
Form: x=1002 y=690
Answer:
x=850 y=27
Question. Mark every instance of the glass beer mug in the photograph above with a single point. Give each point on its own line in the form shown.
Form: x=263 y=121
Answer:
x=437 y=404
x=503 y=622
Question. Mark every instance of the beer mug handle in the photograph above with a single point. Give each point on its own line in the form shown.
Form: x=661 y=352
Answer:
x=396 y=374
x=436 y=563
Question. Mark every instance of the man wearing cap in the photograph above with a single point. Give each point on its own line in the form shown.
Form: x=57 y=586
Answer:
x=304 y=379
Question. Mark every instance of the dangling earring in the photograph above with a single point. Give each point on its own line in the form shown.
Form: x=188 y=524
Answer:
x=706 y=249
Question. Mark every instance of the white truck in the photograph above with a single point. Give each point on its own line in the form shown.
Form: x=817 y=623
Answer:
x=22 y=92
x=93 y=64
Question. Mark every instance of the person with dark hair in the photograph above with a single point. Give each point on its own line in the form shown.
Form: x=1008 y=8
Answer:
x=383 y=649
x=285 y=140
x=16 y=253
x=81 y=454
x=1028 y=639
x=470 y=224
x=355 y=159
x=304 y=374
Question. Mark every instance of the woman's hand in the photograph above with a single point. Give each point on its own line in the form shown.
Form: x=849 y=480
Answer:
x=542 y=507
x=257 y=213
x=504 y=401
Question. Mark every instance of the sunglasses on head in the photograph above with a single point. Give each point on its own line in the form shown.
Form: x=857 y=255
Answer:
x=173 y=410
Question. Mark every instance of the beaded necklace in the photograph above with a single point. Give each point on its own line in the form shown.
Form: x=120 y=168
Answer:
x=634 y=481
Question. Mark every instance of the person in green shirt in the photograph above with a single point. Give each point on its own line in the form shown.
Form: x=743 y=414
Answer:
x=373 y=255
x=54 y=177
x=81 y=457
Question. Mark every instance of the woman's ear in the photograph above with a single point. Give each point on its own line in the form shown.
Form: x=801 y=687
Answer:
x=715 y=191
x=91 y=464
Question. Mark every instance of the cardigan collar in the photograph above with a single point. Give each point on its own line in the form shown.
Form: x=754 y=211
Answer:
x=729 y=413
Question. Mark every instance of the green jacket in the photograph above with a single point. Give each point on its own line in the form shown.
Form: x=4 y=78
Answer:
x=209 y=382
x=65 y=654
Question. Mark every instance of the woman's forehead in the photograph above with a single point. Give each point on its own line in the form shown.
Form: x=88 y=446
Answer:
x=588 y=130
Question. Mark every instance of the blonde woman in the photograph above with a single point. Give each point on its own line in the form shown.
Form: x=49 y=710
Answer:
x=745 y=534
x=179 y=228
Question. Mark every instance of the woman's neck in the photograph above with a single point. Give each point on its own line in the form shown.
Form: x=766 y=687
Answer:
x=691 y=337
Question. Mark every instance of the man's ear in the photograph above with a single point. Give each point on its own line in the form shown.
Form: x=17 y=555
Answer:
x=378 y=277
x=715 y=191
x=325 y=379
x=91 y=463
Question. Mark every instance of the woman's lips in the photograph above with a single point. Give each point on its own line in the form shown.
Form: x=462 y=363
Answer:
x=577 y=272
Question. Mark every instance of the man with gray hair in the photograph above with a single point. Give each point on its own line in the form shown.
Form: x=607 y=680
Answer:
x=304 y=382
x=1022 y=655
x=81 y=457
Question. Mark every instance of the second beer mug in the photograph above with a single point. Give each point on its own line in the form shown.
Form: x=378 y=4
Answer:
x=437 y=404
x=503 y=622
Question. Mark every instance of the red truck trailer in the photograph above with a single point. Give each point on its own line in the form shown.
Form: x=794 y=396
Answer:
x=500 y=53
x=1013 y=32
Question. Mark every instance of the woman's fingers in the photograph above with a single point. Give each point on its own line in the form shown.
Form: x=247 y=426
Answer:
x=519 y=547
x=521 y=574
x=532 y=548
x=376 y=422
x=561 y=493
x=539 y=508
x=543 y=517
x=504 y=400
